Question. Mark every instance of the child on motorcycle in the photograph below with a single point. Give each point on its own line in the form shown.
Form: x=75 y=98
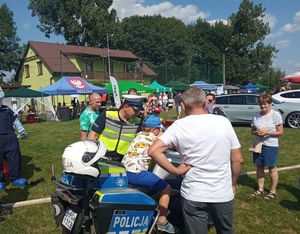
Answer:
x=136 y=161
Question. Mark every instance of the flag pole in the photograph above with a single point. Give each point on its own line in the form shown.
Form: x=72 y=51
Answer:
x=108 y=56
x=113 y=81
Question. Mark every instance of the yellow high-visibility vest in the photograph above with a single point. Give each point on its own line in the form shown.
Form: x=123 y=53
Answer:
x=118 y=135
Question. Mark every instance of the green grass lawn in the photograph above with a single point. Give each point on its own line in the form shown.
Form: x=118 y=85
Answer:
x=46 y=143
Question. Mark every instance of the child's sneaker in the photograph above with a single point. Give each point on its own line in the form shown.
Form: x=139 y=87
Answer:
x=21 y=182
x=166 y=227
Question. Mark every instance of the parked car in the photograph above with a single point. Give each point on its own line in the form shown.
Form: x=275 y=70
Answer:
x=240 y=109
x=288 y=96
x=290 y=113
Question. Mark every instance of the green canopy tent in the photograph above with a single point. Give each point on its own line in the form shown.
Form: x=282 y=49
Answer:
x=177 y=85
x=124 y=86
x=17 y=99
x=159 y=88
x=25 y=93
x=261 y=86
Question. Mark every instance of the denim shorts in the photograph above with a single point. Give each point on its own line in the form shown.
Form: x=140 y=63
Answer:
x=268 y=156
x=148 y=180
x=178 y=109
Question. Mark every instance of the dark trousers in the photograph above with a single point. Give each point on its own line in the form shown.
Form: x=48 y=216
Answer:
x=196 y=215
x=10 y=151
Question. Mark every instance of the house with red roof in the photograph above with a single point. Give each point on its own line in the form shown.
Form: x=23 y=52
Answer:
x=44 y=63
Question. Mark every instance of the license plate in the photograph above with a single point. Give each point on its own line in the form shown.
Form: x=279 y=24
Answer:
x=130 y=221
x=69 y=219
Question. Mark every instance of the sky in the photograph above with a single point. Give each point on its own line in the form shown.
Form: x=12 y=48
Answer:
x=283 y=17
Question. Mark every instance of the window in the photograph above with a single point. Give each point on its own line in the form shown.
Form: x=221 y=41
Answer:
x=26 y=70
x=291 y=95
x=39 y=68
x=222 y=100
x=89 y=66
x=237 y=100
x=252 y=100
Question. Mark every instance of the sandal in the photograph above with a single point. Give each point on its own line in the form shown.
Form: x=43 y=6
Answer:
x=257 y=193
x=271 y=196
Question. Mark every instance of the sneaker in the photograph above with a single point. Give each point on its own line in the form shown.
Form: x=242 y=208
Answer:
x=22 y=135
x=166 y=227
x=21 y=182
x=2 y=186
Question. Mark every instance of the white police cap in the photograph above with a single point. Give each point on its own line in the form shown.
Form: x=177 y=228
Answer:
x=135 y=101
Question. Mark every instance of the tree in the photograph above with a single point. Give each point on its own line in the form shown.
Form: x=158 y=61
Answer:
x=9 y=47
x=81 y=22
x=158 y=40
x=247 y=56
x=271 y=77
x=241 y=43
x=209 y=43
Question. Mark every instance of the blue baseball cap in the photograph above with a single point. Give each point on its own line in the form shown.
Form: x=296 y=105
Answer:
x=152 y=121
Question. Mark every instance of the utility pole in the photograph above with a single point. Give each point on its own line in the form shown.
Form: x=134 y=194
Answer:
x=166 y=73
x=61 y=72
x=108 y=56
x=224 y=70
x=189 y=72
x=224 y=67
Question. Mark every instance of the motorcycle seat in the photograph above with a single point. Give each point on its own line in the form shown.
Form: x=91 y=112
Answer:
x=147 y=191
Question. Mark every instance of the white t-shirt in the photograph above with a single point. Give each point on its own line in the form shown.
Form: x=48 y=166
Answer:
x=165 y=99
x=204 y=141
x=268 y=121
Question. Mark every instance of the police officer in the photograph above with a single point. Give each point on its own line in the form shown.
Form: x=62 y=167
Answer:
x=9 y=147
x=117 y=128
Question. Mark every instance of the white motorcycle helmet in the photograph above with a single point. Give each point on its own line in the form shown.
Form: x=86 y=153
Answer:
x=79 y=157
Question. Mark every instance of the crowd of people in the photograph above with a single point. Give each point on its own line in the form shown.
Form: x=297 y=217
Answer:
x=131 y=132
x=206 y=189
x=134 y=135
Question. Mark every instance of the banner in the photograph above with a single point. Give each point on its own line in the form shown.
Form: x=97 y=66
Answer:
x=115 y=89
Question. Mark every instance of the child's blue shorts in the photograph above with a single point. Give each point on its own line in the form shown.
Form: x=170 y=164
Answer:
x=268 y=156
x=147 y=179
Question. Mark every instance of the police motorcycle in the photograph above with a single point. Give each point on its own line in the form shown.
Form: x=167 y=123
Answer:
x=92 y=195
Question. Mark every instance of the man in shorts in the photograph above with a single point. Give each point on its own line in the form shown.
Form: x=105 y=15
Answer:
x=177 y=100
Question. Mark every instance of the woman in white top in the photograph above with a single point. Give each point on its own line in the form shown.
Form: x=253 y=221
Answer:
x=165 y=101
x=267 y=125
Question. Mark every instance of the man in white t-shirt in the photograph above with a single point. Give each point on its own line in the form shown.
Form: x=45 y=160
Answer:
x=211 y=163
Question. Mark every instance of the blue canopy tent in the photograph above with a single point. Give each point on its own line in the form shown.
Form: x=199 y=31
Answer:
x=68 y=85
x=250 y=88
x=205 y=86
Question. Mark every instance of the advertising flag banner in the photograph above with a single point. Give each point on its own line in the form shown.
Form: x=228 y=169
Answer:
x=116 y=93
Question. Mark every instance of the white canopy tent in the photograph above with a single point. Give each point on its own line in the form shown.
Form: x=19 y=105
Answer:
x=18 y=99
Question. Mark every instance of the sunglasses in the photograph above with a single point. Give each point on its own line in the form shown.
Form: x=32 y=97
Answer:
x=211 y=100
